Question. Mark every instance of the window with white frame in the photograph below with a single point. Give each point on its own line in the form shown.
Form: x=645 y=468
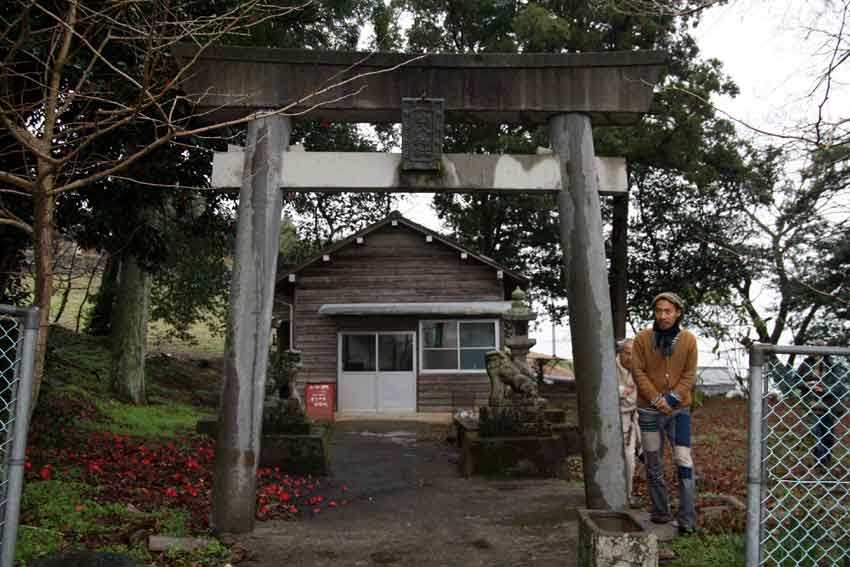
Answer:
x=457 y=345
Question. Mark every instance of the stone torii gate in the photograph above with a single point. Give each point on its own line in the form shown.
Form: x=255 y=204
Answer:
x=569 y=92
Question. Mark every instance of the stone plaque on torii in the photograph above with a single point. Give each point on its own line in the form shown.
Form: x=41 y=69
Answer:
x=569 y=92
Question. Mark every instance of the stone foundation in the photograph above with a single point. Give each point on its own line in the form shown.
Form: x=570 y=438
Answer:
x=513 y=419
x=297 y=454
x=303 y=450
x=528 y=456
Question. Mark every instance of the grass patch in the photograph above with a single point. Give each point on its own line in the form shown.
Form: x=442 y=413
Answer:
x=61 y=514
x=725 y=550
x=154 y=421
x=160 y=335
x=104 y=475
x=213 y=554
x=35 y=542
x=78 y=359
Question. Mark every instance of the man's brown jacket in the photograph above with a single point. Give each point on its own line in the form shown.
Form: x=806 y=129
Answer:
x=657 y=375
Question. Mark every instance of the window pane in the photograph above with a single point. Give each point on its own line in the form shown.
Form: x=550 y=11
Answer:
x=477 y=335
x=439 y=359
x=395 y=353
x=439 y=334
x=358 y=353
x=473 y=359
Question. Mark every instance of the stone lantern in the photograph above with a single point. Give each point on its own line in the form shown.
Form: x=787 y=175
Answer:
x=516 y=320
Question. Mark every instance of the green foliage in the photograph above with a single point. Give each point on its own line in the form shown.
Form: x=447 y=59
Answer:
x=213 y=555
x=59 y=513
x=329 y=24
x=99 y=319
x=293 y=251
x=545 y=32
x=69 y=508
x=191 y=284
x=175 y=523
x=78 y=359
x=726 y=550
x=153 y=421
x=385 y=18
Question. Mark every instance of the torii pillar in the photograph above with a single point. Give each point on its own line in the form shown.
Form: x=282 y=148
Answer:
x=591 y=323
x=249 y=316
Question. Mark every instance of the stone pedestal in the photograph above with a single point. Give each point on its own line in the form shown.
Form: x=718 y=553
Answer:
x=286 y=417
x=304 y=449
x=513 y=417
x=297 y=454
x=520 y=456
x=614 y=539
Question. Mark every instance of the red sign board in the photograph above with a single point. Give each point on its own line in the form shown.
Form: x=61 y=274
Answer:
x=319 y=401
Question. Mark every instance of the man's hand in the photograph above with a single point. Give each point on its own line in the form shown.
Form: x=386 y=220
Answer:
x=662 y=406
x=816 y=387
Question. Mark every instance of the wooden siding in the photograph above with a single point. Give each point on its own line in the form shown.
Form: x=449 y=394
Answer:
x=394 y=264
x=446 y=392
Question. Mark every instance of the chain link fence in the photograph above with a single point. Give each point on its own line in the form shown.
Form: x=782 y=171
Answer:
x=798 y=511
x=18 y=329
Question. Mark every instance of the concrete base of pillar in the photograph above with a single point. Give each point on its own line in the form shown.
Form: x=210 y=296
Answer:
x=614 y=539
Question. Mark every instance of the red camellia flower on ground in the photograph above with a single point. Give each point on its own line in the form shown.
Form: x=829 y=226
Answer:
x=177 y=475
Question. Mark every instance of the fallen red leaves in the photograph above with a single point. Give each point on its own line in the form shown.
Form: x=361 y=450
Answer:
x=177 y=475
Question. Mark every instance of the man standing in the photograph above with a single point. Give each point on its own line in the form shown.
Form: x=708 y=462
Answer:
x=628 y=415
x=664 y=367
x=824 y=385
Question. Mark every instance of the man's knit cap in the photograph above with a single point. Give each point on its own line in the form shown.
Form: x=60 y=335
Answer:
x=671 y=297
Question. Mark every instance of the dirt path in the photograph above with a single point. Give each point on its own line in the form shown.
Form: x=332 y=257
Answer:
x=408 y=506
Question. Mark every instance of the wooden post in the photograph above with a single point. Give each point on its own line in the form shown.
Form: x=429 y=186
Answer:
x=246 y=346
x=590 y=314
x=619 y=264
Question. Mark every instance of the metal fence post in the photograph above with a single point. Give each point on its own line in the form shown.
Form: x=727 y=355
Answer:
x=17 y=455
x=754 y=468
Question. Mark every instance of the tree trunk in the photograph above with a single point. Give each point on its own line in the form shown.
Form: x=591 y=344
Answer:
x=129 y=332
x=87 y=294
x=43 y=207
x=619 y=263
x=100 y=320
x=68 y=285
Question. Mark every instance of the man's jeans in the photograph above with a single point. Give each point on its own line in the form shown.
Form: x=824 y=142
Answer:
x=824 y=438
x=654 y=428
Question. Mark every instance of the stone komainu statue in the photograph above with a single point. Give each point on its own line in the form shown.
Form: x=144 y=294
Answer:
x=506 y=376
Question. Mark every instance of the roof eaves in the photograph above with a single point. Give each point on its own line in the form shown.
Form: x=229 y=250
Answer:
x=415 y=226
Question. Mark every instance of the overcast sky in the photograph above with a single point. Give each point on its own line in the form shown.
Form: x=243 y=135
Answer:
x=775 y=50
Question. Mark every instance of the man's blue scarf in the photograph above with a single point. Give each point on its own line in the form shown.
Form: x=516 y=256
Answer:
x=665 y=340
